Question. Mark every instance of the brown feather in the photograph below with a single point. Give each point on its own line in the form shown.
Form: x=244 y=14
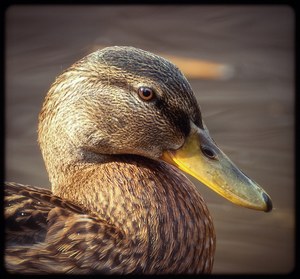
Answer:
x=114 y=207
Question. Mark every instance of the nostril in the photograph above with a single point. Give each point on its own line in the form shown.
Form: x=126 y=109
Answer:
x=208 y=152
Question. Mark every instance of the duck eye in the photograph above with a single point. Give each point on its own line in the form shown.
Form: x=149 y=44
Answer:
x=146 y=93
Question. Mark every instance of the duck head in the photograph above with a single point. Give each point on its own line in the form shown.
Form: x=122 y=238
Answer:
x=126 y=101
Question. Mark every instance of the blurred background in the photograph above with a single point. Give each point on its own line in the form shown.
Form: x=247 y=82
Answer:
x=247 y=102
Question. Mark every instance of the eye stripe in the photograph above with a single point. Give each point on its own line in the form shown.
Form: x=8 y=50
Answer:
x=177 y=117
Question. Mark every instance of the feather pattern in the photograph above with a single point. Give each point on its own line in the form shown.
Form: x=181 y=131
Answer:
x=157 y=227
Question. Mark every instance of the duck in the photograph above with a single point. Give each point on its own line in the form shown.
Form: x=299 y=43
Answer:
x=118 y=132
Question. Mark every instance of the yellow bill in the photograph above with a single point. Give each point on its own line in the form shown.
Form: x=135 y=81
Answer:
x=204 y=160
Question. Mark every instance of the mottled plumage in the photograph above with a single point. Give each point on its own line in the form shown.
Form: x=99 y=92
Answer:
x=151 y=223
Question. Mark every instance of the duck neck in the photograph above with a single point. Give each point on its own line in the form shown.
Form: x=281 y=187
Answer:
x=154 y=204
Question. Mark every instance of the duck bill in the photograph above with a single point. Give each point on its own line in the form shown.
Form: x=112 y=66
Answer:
x=204 y=160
